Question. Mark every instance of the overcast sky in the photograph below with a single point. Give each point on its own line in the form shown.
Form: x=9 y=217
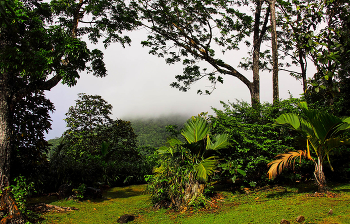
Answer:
x=137 y=85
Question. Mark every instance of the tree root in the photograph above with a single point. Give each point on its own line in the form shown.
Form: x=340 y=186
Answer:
x=42 y=207
x=10 y=213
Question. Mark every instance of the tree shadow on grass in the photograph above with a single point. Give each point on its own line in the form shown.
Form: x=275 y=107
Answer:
x=112 y=193
x=339 y=187
x=125 y=192
x=278 y=194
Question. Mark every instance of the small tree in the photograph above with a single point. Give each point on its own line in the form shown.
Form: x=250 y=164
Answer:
x=322 y=131
x=95 y=147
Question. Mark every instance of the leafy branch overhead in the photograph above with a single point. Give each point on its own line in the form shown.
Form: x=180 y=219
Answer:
x=188 y=31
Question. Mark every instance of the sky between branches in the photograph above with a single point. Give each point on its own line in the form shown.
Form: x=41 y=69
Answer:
x=137 y=85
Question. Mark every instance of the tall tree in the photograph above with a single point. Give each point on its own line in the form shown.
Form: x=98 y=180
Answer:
x=275 y=85
x=100 y=149
x=197 y=29
x=43 y=53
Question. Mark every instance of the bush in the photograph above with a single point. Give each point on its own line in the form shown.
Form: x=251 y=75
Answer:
x=21 y=190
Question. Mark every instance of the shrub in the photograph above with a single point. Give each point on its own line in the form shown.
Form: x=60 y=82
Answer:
x=254 y=141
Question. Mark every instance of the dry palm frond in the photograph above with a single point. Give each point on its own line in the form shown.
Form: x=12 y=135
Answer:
x=285 y=160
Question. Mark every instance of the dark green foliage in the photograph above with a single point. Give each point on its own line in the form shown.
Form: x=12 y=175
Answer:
x=254 y=140
x=30 y=120
x=319 y=31
x=40 y=46
x=53 y=144
x=95 y=148
x=167 y=188
x=148 y=158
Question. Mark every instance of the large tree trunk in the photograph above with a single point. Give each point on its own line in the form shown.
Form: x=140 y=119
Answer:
x=258 y=35
x=8 y=207
x=319 y=176
x=255 y=89
x=4 y=131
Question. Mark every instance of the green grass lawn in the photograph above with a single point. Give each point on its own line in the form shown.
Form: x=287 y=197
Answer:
x=266 y=205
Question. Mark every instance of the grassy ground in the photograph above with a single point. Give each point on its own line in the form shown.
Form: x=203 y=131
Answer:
x=266 y=205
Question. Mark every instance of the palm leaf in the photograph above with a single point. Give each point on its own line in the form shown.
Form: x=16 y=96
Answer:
x=220 y=141
x=195 y=129
x=285 y=160
x=339 y=129
x=322 y=123
x=205 y=168
x=332 y=143
x=346 y=120
x=289 y=119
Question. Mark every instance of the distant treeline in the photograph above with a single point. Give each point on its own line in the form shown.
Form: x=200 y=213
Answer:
x=152 y=131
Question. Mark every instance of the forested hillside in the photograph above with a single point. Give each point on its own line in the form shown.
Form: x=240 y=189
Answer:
x=149 y=131
x=152 y=131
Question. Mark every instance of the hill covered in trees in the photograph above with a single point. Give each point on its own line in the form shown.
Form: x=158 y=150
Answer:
x=153 y=131
x=150 y=131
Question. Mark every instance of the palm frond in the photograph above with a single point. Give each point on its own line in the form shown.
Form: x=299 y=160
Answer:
x=289 y=119
x=332 y=143
x=284 y=160
x=205 y=168
x=346 y=120
x=322 y=123
x=339 y=129
x=220 y=141
x=195 y=129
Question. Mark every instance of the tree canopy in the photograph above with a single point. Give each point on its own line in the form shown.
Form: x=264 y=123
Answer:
x=192 y=31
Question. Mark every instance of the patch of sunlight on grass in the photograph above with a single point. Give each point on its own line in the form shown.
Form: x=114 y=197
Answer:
x=265 y=205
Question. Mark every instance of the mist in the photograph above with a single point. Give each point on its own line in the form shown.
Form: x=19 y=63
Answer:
x=137 y=86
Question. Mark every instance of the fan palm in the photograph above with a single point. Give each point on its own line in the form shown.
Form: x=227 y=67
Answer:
x=193 y=160
x=323 y=132
x=199 y=147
